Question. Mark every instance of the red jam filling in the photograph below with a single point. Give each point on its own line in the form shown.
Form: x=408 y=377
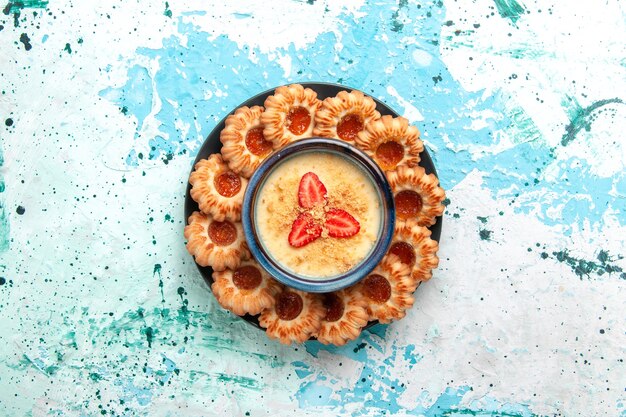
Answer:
x=404 y=251
x=408 y=204
x=247 y=277
x=227 y=184
x=256 y=143
x=334 y=307
x=349 y=126
x=288 y=305
x=222 y=233
x=389 y=154
x=298 y=120
x=377 y=288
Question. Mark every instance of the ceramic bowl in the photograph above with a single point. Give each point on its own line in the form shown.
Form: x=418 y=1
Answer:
x=385 y=232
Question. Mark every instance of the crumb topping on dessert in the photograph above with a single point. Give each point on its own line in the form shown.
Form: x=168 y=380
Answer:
x=348 y=189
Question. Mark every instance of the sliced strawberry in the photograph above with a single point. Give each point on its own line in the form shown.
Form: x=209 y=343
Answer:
x=304 y=231
x=311 y=191
x=340 y=223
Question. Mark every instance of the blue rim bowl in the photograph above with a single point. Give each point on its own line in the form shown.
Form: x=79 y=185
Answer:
x=359 y=271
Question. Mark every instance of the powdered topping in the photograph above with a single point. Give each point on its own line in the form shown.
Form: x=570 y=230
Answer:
x=348 y=188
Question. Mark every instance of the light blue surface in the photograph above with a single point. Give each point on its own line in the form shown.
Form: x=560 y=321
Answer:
x=103 y=108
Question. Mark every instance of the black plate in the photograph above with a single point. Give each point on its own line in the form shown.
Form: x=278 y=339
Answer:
x=213 y=145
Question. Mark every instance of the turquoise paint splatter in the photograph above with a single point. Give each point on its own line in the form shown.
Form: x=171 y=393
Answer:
x=485 y=234
x=584 y=268
x=582 y=118
x=510 y=9
x=396 y=23
x=95 y=377
x=186 y=77
x=4 y=218
x=17 y=6
x=411 y=356
x=149 y=332
x=372 y=402
x=167 y=11
x=157 y=271
x=26 y=42
x=143 y=396
x=302 y=369
x=242 y=381
x=4 y=229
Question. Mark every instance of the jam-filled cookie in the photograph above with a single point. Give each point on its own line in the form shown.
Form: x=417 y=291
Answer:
x=417 y=196
x=391 y=142
x=294 y=317
x=414 y=248
x=218 y=244
x=217 y=190
x=387 y=290
x=345 y=115
x=244 y=146
x=289 y=114
x=344 y=319
x=246 y=289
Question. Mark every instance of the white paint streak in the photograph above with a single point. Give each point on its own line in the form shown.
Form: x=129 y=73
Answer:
x=273 y=25
x=490 y=298
x=410 y=111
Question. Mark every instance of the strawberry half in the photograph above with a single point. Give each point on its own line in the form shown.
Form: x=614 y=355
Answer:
x=340 y=223
x=304 y=231
x=311 y=191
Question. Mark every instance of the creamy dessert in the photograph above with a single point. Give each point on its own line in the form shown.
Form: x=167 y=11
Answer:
x=318 y=214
